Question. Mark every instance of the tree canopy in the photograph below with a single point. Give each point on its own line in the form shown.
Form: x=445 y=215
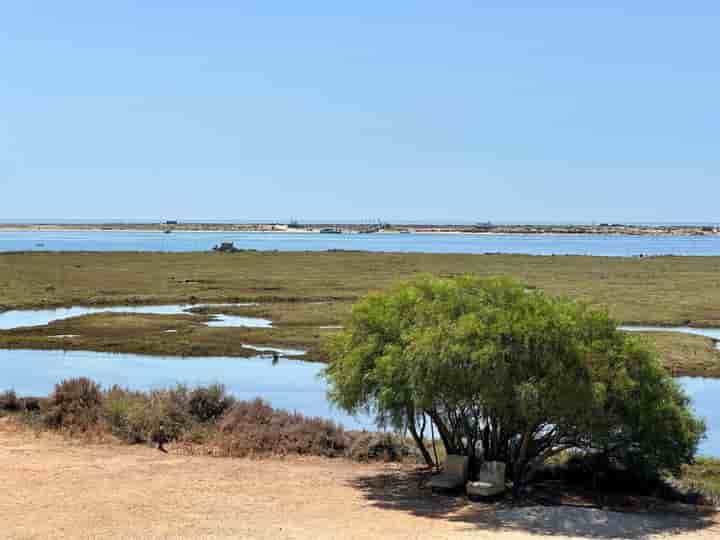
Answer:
x=509 y=373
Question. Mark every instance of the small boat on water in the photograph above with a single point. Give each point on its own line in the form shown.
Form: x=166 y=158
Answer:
x=330 y=230
x=167 y=231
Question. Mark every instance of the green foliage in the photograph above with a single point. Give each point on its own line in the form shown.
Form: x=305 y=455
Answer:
x=208 y=403
x=703 y=477
x=125 y=413
x=510 y=372
x=159 y=416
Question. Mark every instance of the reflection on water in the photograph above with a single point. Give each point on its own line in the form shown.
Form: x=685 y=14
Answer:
x=41 y=317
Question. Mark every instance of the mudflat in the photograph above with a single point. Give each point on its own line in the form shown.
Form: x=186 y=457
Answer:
x=54 y=487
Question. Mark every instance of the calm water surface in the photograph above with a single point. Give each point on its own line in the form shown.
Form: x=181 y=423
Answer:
x=535 y=244
x=24 y=318
x=291 y=384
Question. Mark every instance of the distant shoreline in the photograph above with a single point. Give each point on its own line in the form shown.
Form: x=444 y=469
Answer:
x=322 y=228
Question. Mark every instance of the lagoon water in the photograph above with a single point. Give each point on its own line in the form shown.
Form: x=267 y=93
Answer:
x=291 y=384
x=533 y=244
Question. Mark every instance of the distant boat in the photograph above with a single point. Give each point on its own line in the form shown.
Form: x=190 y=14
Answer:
x=167 y=231
x=331 y=230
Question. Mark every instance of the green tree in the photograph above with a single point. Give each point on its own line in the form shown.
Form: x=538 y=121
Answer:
x=510 y=373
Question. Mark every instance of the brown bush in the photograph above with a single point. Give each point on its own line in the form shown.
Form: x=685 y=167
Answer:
x=375 y=446
x=208 y=403
x=255 y=428
x=9 y=401
x=159 y=416
x=201 y=419
x=74 y=405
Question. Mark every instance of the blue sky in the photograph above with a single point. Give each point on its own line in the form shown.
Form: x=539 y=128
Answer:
x=453 y=111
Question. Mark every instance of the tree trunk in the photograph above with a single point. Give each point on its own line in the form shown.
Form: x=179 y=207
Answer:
x=418 y=440
x=520 y=465
x=450 y=447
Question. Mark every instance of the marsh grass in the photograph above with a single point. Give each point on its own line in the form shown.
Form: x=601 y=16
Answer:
x=304 y=292
x=704 y=477
x=663 y=290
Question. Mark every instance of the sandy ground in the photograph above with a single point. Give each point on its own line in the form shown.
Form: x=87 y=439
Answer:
x=54 y=488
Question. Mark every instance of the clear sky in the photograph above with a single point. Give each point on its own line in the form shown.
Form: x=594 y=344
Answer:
x=459 y=110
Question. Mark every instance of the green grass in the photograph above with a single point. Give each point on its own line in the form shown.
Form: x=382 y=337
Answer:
x=304 y=291
x=685 y=354
x=669 y=290
x=704 y=476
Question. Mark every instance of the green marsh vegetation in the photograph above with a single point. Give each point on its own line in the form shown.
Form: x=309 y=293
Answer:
x=305 y=293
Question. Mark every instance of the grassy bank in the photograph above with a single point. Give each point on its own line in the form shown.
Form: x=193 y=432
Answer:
x=303 y=293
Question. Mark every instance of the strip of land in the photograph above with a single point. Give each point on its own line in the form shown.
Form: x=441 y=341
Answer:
x=308 y=295
x=478 y=228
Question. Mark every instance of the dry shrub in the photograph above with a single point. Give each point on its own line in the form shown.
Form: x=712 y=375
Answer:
x=74 y=405
x=373 y=446
x=124 y=414
x=168 y=416
x=159 y=416
x=208 y=403
x=255 y=428
x=9 y=401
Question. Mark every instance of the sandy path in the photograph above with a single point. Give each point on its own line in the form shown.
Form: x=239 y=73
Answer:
x=53 y=488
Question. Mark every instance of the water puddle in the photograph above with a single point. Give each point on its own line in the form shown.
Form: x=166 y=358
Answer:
x=10 y=320
x=281 y=352
x=224 y=321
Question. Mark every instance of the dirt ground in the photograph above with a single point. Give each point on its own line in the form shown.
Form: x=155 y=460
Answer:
x=51 y=487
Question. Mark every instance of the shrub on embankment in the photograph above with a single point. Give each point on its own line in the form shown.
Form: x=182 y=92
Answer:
x=74 y=405
x=201 y=420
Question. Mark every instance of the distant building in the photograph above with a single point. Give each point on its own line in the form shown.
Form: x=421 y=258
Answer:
x=483 y=227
